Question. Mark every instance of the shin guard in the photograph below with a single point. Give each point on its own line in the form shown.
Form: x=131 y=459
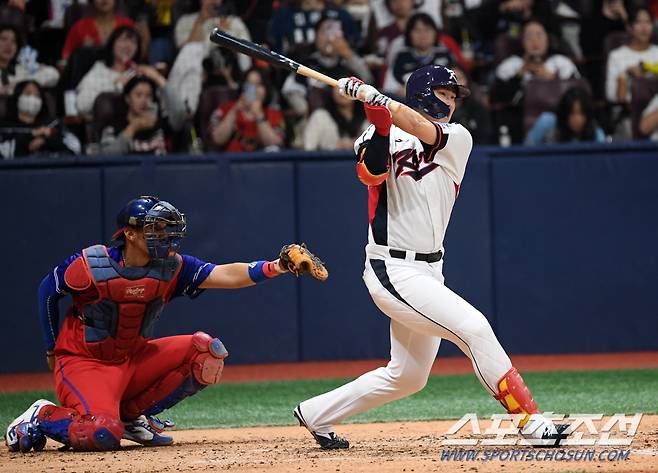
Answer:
x=515 y=396
x=80 y=432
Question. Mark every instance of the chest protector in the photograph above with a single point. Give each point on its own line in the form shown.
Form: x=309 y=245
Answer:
x=117 y=305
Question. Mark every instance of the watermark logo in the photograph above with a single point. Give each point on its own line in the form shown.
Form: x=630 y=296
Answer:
x=589 y=430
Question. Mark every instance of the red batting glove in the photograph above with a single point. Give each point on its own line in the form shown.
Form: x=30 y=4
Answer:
x=380 y=117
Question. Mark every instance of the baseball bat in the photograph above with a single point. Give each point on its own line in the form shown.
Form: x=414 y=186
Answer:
x=243 y=46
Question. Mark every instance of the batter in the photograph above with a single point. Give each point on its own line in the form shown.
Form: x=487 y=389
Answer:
x=413 y=162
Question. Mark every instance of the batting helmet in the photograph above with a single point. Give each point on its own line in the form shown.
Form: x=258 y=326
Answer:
x=420 y=89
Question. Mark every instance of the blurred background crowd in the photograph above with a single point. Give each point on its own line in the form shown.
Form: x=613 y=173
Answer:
x=141 y=76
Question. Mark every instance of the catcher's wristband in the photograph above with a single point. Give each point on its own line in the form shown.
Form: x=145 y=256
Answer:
x=263 y=270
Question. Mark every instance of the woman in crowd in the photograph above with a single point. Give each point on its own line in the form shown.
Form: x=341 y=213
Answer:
x=625 y=62
x=337 y=126
x=140 y=130
x=537 y=61
x=28 y=130
x=17 y=67
x=248 y=123
x=401 y=10
x=95 y=29
x=574 y=121
x=117 y=67
x=423 y=44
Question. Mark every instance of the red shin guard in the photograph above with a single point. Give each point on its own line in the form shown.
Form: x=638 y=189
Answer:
x=81 y=432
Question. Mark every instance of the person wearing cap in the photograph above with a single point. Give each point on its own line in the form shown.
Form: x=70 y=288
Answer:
x=111 y=377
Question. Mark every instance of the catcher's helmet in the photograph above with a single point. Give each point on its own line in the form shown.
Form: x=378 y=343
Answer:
x=164 y=226
x=420 y=89
x=133 y=213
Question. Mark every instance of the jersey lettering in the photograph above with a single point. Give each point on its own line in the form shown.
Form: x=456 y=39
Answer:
x=410 y=163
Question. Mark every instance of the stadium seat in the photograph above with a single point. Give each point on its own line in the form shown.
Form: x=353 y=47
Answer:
x=505 y=46
x=642 y=91
x=544 y=96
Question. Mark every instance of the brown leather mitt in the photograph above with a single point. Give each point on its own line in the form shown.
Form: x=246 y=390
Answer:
x=298 y=260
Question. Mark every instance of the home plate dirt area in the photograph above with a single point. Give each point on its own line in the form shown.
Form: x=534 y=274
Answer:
x=387 y=447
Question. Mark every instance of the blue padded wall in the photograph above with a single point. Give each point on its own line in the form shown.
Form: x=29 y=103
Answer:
x=555 y=245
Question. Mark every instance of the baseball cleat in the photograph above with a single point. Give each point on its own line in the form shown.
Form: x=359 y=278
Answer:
x=23 y=433
x=557 y=436
x=148 y=431
x=540 y=432
x=327 y=441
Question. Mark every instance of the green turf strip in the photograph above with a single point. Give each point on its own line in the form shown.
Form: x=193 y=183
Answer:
x=445 y=397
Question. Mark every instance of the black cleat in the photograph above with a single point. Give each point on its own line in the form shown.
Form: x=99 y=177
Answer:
x=329 y=441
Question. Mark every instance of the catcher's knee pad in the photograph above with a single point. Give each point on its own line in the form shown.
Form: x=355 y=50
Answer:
x=208 y=360
x=515 y=396
x=81 y=432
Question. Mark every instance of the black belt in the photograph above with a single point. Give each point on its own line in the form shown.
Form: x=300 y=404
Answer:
x=427 y=257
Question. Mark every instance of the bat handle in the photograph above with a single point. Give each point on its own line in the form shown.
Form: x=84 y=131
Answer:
x=393 y=106
x=312 y=74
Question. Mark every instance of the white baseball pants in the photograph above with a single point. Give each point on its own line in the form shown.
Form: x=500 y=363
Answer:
x=422 y=312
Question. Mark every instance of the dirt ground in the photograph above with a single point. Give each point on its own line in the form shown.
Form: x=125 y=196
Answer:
x=391 y=447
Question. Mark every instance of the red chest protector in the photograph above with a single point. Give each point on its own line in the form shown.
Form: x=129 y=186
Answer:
x=118 y=305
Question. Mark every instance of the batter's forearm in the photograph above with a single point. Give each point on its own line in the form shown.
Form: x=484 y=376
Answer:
x=413 y=123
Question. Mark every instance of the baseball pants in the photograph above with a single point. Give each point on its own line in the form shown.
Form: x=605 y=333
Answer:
x=92 y=386
x=422 y=311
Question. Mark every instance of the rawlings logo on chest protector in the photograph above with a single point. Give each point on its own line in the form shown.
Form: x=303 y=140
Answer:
x=410 y=163
x=135 y=291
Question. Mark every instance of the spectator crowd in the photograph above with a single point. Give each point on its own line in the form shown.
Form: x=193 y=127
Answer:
x=141 y=76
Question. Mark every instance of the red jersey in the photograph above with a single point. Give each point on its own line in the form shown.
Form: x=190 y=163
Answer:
x=245 y=136
x=85 y=33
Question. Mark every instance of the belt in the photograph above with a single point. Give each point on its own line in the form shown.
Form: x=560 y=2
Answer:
x=427 y=257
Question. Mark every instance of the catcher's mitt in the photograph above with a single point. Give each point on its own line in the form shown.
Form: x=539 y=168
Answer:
x=298 y=260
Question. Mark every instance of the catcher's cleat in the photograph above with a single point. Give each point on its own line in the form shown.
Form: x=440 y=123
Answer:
x=148 y=431
x=327 y=441
x=23 y=433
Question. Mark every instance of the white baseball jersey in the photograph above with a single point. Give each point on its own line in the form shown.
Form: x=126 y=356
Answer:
x=411 y=209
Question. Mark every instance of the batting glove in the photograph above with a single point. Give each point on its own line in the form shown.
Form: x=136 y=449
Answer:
x=349 y=87
x=355 y=89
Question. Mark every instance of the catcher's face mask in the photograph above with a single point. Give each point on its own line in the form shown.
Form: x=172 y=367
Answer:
x=164 y=228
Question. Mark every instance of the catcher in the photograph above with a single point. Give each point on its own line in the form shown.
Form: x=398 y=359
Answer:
x=112 y=378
